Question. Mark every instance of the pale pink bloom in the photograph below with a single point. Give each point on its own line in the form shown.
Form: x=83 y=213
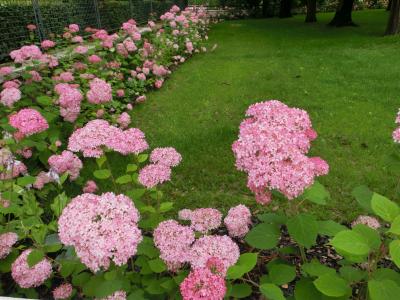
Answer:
x=67 y=76
x=100 y=113
x=238 y=220
x=67 y=35
x=129 y=106
x=29 y=277
x=58 y=143
x=396 y=135
x=124 y=120
x=80 y=66
x=35 y=76
x=133 y=73
x=90 y=187
x=31 y=27
x=101 y=229
x=189 y=47
x=66 y=162
x=26 y=53
x=12 y=84
x=120 y=93
x=77 y=39
x=4 y=71
x=63 y=291
x=100 y=91
x=140 y=99
x=42 y=179
x=216 y=266
x=136 y=36
x=81 y=49
x=202 y=284
x=154 y=174
x=159 y=83
x=28 y=121
x=366 y=220
x=73 y=28
x=205 y=219
x=9 y=96
x=47 y=44
x=141 y=76
x=165 y=156
x=93 y=59
x=151 y=24
x=185 y=214
x=7 y=240
x=118 y=295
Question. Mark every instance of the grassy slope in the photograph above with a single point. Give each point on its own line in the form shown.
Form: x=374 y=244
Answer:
x=347 y=79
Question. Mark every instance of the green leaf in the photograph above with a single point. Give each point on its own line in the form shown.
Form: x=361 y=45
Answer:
x=331 y=285
x=5 y=263
x=317 y=194
x=281 y=273
x=146 y=247
x=102 y=174
x=271 y=291
x=131 y=168
x=241 y=290
x=395 y=227
x=363 y=196
x=101 y=160
x=63 y=177
x=67 y=267
x=44 y=100
x=351 y=274
x=371 y=236
x=383 y=290
x=59 y=203
x=272 y=218
x=303 y=228
x=316 y=269
x=34 y=257
x=350 y=242
x=81 y=279
x=263 y=236
x=246 y=263
x=385 y=208
x=135 y=194
x=394 y=250
x=330 y=228
x=26 y=180
x=385 y=273
x=157 y=265
x=166 y=206
x=305 y=290
x=124 y=179
x=142 y=157
x=52 y=243
x=97 y=286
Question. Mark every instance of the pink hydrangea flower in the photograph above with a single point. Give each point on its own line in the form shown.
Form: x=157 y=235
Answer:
x=221 y=247
x=366 y=220
x=94 y=59
x=35 y=76
x=272 y=147
x=101 y=228
x=238 y=220
x=7 y=240
x=63 y=291
x=28 y=277
x=81 y=49
x=185 y=214
x=129 y=106
x=11 y=84
x=124 y=120
x=100 y=91
x=118 y=295
x=47 y=44
x=167 y=156
x=69 y=100
x=174 y=241
x=4 y=71
x=90 y=187
x=66 y=162
x=216 y=266
x=73 y=28
x=67 y=76
x=9 y=96
x=154 y=174
x=141 y=76
x=158 y=84
x=202 y=284
x=26 y=53
x=77 y=39
x=120 y=93
x=28 y=121
x=189 y=47
x=31 y=27
x=42 y=179
x=205 y=219
x=140 y=99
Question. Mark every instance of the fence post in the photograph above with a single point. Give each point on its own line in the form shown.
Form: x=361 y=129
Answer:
x=38 y=20
x=97 y=13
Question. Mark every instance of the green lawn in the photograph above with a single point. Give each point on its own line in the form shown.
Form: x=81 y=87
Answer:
x=347 y=79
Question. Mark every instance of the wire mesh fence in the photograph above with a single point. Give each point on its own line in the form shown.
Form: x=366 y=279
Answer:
x=51 y=16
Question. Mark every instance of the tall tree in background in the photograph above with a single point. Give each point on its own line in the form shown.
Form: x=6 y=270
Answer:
x=394 y=18
x=285 y=10
x=311 y=16
x=343 y=14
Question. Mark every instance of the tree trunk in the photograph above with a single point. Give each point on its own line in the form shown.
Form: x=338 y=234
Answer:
x=285 y=10
x=343 y=14
x=267 y=12
x=393 y=22
x=389 y=5
x=311 y=16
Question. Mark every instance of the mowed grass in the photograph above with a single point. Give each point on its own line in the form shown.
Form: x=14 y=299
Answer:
x=346 y=78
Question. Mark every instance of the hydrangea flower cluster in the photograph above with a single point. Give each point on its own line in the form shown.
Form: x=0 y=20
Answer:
x=160 y=170
x=7 y=240
x=174 y=242
x=90 y=187
x=63 y=291
x=272 y=147
x=66 y=162
x=97 y=134
x=238 y=220
x=26 y=53
x=202 y=284
x=9 y=96
x=118 y=295
x=100 y=91
x=101 y=228
x=28 y=277
x=396 y=132
x=202 y=219
x=366 y=220
x=28 y=121
x=69 y=100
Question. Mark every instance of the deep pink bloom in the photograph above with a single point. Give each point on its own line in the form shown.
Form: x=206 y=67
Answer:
x=28 y=121
x=4 y=71
x=47 y=44
x=73 y=27
x=90 y=187
x=63 y=291
x=202 y=284
x=94 y=59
